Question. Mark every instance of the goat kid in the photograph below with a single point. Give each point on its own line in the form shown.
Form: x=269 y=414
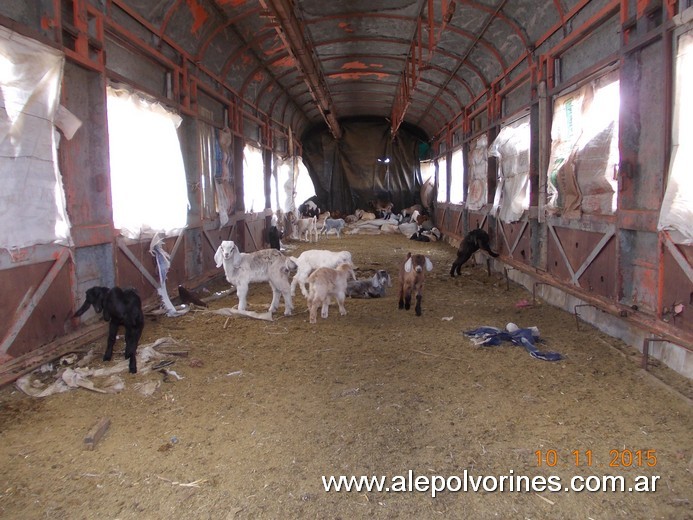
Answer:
x=333 y=223
x=306 y=227
x=274 y=236
x=411 y=280
x=374 y=287
x=325 y=283
x=471 y=243
x=313 y=259
x=265 y=265
x=119 y=307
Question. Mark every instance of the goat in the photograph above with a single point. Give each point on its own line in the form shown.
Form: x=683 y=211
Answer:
x=326 y=283
x=274 y=236
x=411 y=279
x=265 y=265
x=333 y=223
x=407 y=212
x=382 y=206
x=422 y=235
x=423 y=221
x=310 y=260
x=471 y=243
x=364 y=215
x=309 y=208
x=419 y=236
x=374 y=287
x=307 y=227
x=119 y=307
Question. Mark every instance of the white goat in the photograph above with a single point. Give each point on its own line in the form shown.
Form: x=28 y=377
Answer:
x=333 y=223
x=374 y=287
x=326 y=283
x=307 y=227
x=265 y=265
x=310 y=260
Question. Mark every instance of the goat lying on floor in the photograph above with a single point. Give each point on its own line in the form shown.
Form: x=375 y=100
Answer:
x=373 y=287
x=471 y=243
x=119 y=307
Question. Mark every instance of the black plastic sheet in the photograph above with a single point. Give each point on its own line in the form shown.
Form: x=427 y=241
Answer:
x=352 y=173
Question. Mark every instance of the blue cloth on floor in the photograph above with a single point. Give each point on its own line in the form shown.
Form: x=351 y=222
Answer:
x=491 y=336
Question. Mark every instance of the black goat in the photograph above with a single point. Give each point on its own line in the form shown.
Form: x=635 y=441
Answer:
x=275 y=236
x=472 y=242
x=119 y=307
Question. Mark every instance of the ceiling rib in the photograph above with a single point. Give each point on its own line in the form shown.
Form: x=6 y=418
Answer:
x=479 y=36
x=291 y=31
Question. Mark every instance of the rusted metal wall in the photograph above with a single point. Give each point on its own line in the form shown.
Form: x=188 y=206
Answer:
x=619 y=263
x=43 y=285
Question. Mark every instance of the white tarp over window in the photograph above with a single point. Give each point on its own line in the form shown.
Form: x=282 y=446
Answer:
x=478 y=177
x=584 y=150
x=32 y=200
x=511 y=146
x=677 y=207
x=148 y=183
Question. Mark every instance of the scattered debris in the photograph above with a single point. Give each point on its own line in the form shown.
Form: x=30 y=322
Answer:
x=147 y=388
x=96 y=433
x=228 y=311
x=48 y=380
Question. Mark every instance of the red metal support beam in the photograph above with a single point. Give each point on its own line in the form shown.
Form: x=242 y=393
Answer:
x=292 y=33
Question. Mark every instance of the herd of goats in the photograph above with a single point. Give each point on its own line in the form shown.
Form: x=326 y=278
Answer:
x=322 y=276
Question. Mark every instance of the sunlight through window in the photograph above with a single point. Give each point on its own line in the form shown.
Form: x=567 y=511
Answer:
x=148 y=183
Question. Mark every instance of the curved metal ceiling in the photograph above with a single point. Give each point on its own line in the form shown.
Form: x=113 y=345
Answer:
x=304 y=62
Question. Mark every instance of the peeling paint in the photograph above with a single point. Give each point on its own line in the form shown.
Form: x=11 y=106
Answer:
x=346 y=27
x=198 y=13
x=288 y=61
x=259 y=77
x=232 y=3
x=359 y=75
x=351 y=65
x=46 y=23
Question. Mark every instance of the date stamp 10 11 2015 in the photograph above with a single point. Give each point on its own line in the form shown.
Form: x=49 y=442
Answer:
x=624 y=458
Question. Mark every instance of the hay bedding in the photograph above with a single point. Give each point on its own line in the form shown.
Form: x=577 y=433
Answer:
x=265 y=409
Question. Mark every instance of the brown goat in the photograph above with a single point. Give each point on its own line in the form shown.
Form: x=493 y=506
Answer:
x=411 y=279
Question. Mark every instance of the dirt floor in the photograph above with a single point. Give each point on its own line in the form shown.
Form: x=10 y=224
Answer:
x=265 y=409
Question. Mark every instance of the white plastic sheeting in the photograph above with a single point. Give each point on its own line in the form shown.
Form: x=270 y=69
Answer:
x=584 y=150
x=676 y=214
x=32 y=200
x=477 y=192
x=511 y=146
x=148 y=182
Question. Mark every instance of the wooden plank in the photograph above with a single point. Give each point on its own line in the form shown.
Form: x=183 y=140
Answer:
x=28 y=305
x=126 y=250
x=678 y=256
x=597 y=249
x=96 y=433
x=563 y=255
